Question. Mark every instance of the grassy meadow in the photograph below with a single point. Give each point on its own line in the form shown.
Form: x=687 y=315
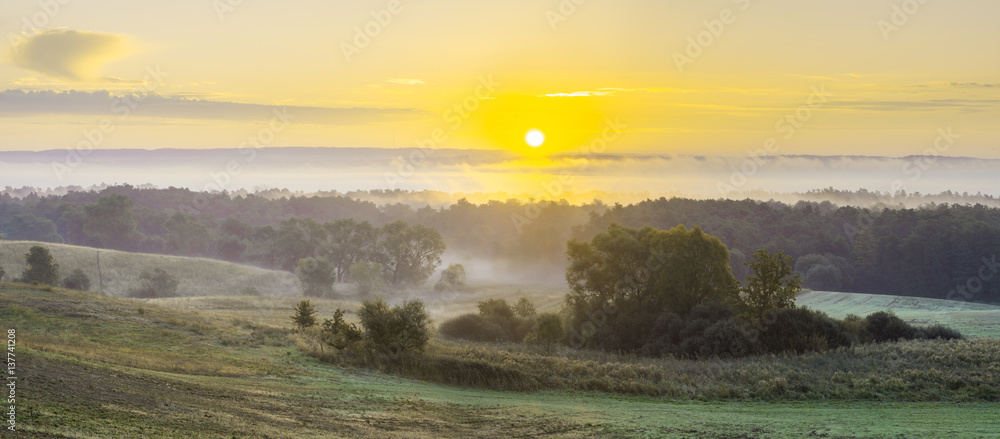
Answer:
x=97 y=366
x=121 y=270
x=971 y=319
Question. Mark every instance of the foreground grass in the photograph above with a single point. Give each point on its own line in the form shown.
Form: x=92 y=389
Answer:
x=121 y=270
x=241 y=385
x=927 y=370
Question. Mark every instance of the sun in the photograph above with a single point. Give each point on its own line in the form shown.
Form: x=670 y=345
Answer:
x=534 y=138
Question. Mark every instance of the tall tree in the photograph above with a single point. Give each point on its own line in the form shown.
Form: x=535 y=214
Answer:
x=347 y=243
x=771 y=286
x=110 y=221
x=315 y=277
x=624 y=280
x=409 y=254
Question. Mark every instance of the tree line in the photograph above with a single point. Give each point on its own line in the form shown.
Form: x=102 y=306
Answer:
x=942 y=251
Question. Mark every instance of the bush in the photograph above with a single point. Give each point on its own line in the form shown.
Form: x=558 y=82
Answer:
x=941 y=332
x=367 y=276
x=496 y=309
x=803 y=330
x=548 y=330
x=77 y=280
x=41 y=267
x=472 y=327
x=524 y=308
x=394 y=331
x=886 y=326
x=315 y=277
x=500 y=313
x=340 y=334
x=157 y=283
x=452 y=278
x=2 y=273
x=305 y=315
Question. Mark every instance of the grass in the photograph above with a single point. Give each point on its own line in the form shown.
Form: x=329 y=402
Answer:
x=121 y=270
x=974 y=320
x=95 y=366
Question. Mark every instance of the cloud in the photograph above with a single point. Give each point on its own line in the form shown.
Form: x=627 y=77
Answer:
x=105 y=102
x=578 y=94
x=405 y=81
x=69 y=54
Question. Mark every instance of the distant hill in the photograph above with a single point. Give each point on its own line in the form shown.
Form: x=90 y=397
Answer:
x=121 y=270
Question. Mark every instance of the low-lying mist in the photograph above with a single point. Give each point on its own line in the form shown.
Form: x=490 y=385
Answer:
x=441 y=177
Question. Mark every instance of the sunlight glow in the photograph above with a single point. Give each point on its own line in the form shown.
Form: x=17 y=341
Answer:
x=534 y=138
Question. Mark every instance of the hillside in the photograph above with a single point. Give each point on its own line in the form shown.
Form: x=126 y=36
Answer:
x=972 y=319
x=94 y=366
x=121 y=270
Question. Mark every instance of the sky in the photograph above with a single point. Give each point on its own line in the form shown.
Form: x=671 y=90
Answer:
x=673 y=77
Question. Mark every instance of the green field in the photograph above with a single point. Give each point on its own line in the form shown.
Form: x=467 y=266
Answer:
x=216 y=364
x=972 y=319
x=94 y=366
x=120 y=270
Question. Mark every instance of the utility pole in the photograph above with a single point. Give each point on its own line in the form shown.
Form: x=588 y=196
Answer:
x=100 y=277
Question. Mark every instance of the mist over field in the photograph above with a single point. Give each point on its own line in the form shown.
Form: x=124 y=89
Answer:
x=480 y=174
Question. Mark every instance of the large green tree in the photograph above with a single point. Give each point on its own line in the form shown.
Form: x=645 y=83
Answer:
x=393 y=331
x=109 y=221
x=409 y=254
x=348 y=242
x=315 y=277
x=771 y=286
x=41 y=267
x=624 y=280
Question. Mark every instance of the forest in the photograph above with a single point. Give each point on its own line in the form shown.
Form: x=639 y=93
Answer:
x=938 y=250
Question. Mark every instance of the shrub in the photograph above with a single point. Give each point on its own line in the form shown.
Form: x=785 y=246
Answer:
x=340 y=334
x=496 y=309
x=41 y=267
x=548 y=330
x=157 y=283
x=803 y=330
x=452 y=278
x=524 y=308
x=942 y=332
x=396 y=330
x=473 y=327
x=305 y=315
x=77 y=280
x=2 y=273
x=886 y=326
x=366 y=275
x=315 y=276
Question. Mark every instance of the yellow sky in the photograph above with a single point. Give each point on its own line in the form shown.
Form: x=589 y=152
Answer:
x=707 y=77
